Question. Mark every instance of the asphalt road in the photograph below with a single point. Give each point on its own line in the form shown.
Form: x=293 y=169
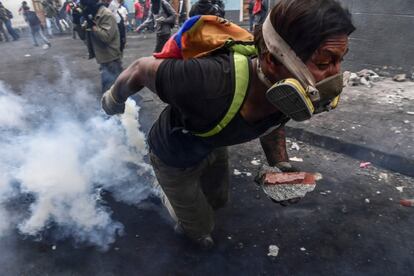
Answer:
x=332 y=231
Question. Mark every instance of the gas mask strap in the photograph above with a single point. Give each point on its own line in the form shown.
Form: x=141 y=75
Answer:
x=262 y=76
x=284 y=54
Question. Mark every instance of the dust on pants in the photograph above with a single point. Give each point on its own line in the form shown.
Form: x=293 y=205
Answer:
x=195 y=192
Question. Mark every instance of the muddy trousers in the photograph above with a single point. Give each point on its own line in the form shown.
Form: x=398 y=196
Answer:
x=194 y=193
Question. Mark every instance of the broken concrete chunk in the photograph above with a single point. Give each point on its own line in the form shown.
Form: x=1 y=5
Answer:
x=285 y=186
x=407 y=202
x=400 y=77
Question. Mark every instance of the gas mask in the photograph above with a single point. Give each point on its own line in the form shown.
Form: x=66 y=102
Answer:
x=300 y=97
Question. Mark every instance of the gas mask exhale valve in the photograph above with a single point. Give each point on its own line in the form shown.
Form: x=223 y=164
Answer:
x=298 y=98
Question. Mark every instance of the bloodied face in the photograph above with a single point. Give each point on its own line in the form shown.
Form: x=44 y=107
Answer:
x=326 y=60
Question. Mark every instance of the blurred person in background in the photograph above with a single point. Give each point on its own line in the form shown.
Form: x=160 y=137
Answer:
x=251 y=16
x=123 y=12
x=51 y=16
x=259 y=12
x=6 y=16
x=139 y=13
x=162 y=15
x=3 y=33
x=35 y=26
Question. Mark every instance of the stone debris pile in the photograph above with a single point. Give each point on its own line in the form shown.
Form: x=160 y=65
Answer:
x=368 y=78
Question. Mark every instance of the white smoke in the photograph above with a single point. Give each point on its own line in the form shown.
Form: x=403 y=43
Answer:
x=60 y=148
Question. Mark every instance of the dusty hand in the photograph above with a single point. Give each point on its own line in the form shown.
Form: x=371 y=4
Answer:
x=110 y=105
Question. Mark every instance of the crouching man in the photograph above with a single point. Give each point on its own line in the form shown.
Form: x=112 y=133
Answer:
x=227 y=98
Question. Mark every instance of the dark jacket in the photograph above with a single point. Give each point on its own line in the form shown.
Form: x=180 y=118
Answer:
x=31 y=18
x=162 y=27
x=5 y=14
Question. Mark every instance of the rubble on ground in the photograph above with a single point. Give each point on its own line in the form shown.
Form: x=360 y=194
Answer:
x=368 y=77
x=273 y=251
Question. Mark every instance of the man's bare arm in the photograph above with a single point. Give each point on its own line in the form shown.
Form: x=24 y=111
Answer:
x=139 y=74
x=274 y=146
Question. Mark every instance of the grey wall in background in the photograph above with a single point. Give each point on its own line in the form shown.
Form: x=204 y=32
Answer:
x=384 y=35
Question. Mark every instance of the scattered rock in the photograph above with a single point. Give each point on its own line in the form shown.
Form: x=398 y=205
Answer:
x=400 y=77
x=295 y=146
x=237 y=172
x=53 y=247
x=319 y=176
x=255 y=162
x=364 y=165
x=296 y=159
x=400 y=189
x=302 y=249
x=273 y=251
x=365 y=77
x=367 y=200
x=410 y=112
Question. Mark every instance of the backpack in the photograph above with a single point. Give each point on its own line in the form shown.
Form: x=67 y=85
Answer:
x=203 y=35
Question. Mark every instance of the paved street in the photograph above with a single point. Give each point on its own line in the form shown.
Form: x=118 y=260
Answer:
x=352 y=224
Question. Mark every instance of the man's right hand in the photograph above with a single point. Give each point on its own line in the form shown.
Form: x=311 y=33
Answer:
x=110 y=105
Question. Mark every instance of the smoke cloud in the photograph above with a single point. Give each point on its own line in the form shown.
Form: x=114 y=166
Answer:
x=58 y=150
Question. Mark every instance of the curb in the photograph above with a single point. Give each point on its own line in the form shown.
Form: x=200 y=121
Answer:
x=393 y=162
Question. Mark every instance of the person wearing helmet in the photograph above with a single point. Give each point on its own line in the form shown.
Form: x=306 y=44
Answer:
x=295 y=74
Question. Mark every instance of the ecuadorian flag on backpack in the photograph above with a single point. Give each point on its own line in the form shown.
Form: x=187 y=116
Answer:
x=201 y=35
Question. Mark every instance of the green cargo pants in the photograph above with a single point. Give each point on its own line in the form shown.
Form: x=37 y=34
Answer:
x=195 y=192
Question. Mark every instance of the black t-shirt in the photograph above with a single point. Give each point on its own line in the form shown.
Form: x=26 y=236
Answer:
x=199 y=93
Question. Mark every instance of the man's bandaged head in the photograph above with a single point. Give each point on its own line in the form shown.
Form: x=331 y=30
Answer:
x=292 y=33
